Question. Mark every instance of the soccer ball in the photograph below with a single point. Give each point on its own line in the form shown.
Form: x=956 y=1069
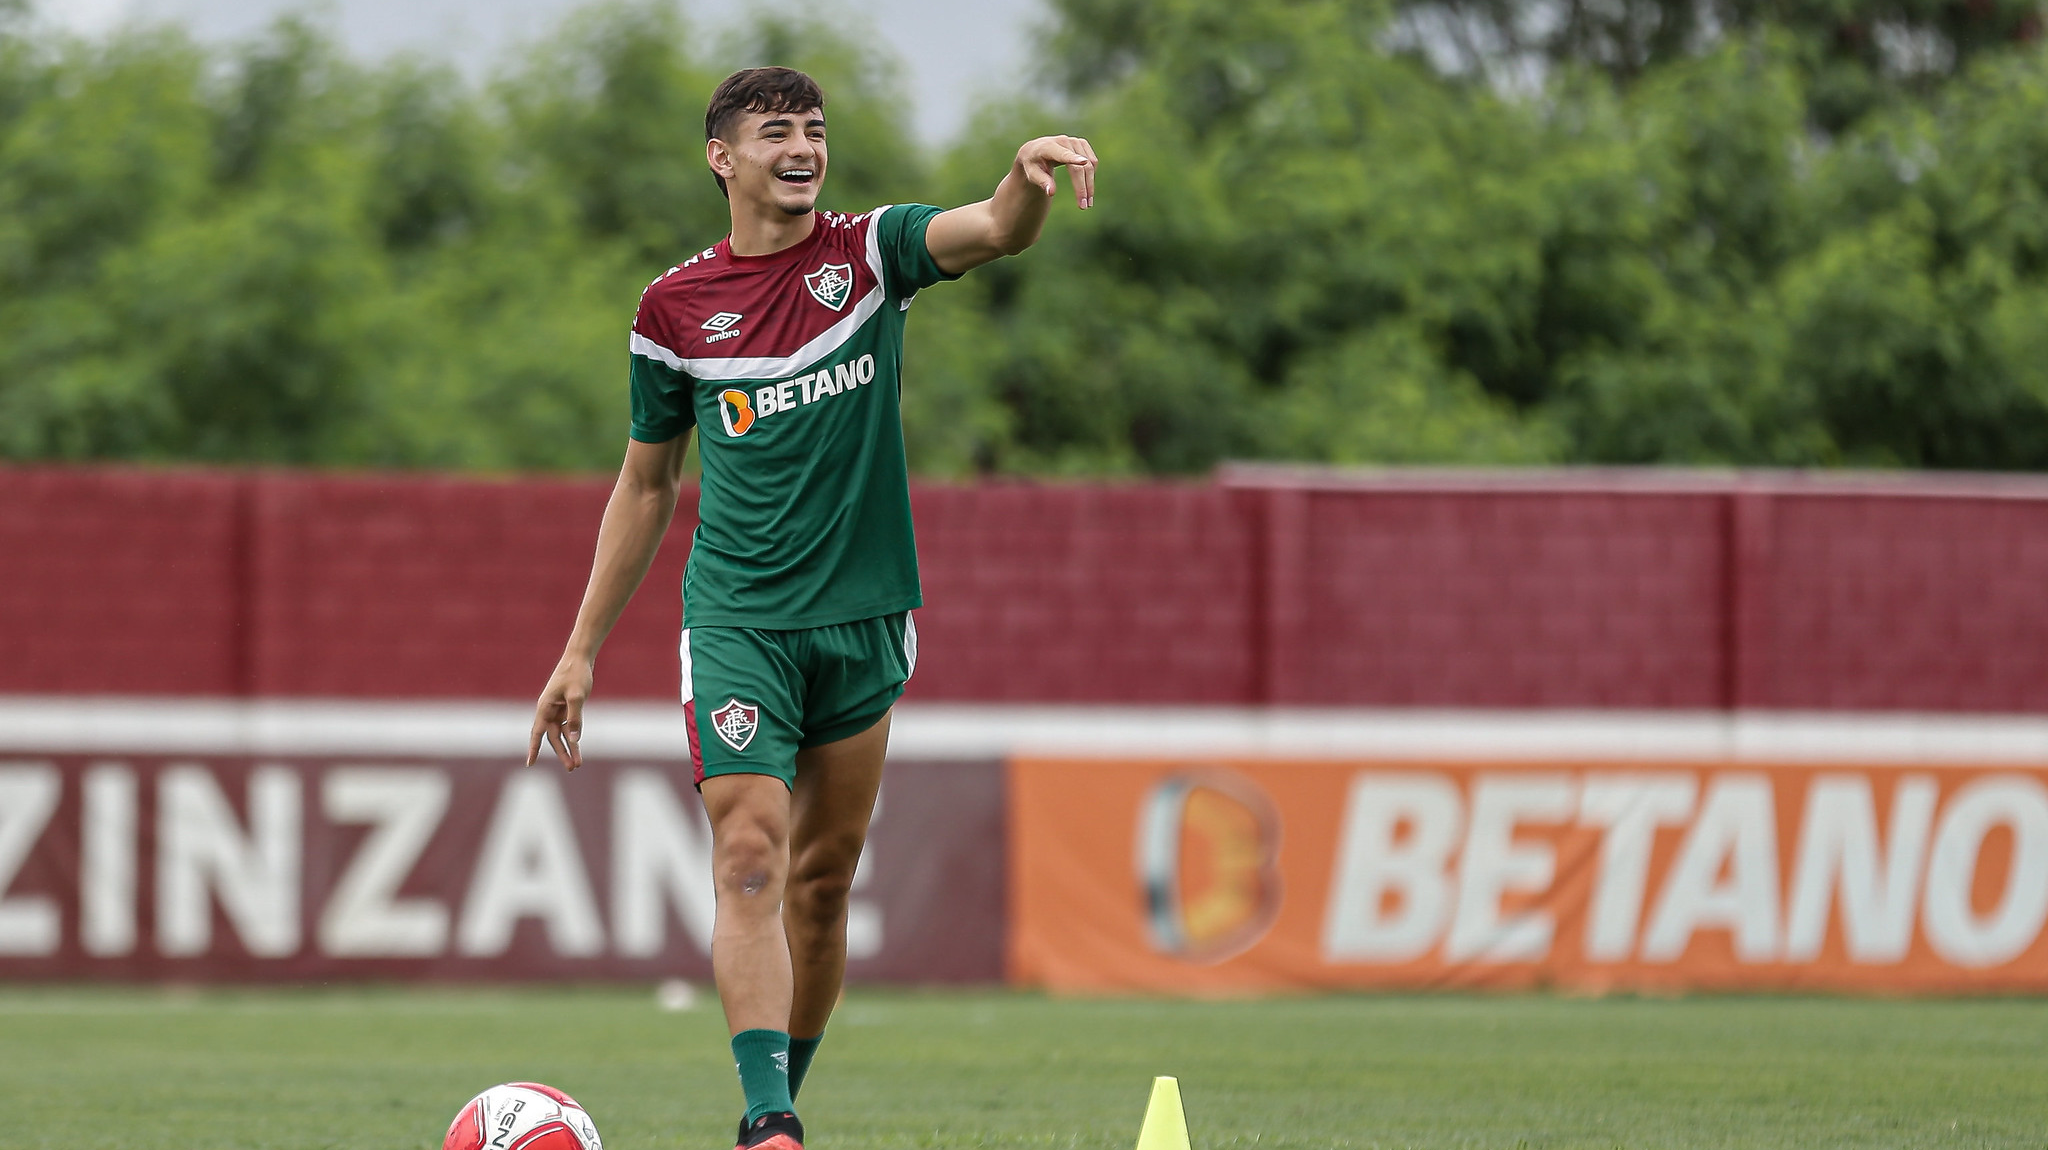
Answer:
x=522 y=1116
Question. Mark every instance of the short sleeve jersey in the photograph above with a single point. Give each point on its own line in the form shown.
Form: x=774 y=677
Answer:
x=789 y=366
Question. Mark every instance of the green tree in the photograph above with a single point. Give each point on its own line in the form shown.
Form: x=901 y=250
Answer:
x=1276 y=190
x=1308 y=246
x=274 y=254
x=1853 y=58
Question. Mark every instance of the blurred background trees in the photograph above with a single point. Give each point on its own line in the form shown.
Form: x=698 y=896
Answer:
x=1469 y=231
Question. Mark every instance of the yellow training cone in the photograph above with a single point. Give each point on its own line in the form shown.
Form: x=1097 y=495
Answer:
x=1166 y=1125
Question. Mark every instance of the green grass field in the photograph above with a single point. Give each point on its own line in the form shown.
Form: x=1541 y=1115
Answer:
x=284 y=1070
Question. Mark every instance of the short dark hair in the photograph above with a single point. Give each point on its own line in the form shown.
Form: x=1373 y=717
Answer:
x=758 y=90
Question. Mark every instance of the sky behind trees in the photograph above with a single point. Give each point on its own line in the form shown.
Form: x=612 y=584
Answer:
x=951 y=50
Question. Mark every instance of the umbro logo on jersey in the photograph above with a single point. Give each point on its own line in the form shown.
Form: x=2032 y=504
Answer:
x=736 y=723
x=722 y=323
x=831 y=285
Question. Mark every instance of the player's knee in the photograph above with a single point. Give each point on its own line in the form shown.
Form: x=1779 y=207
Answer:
x=821 y=877
x=749 y=865
x=749 y=880
x=821 y=897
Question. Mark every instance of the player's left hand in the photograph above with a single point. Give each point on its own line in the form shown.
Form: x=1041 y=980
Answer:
x=1039 y=157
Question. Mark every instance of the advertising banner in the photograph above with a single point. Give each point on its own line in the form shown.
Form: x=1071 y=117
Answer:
x=1247 y=876
x=214 y=868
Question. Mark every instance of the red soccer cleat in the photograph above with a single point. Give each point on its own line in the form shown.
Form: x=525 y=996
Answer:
x=771 y=1132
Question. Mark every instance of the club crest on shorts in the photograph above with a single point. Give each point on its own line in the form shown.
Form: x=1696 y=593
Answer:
x=831 y=285
x=736 y=723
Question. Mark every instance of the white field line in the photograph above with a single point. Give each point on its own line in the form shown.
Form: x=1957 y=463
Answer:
x=117 y=725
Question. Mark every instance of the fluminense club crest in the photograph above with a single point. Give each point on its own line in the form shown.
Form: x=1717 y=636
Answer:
x=736 y=723
x=831 y=285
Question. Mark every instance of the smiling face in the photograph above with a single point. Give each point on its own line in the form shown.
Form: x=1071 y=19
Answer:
x=772 y=160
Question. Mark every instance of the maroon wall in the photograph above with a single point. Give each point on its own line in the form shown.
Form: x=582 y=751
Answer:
x=1926 y=603
x=1138 y=594
x=442 y=587
x=1594 y=589
x=1498 y=598
x=120 y=581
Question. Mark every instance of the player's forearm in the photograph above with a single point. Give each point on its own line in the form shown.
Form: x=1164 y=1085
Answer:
x=1017 y=212
x=635 y=520
x=1010 y=221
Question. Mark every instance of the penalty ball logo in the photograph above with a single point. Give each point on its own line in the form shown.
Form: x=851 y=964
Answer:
x=831 y=285
x=736 y=723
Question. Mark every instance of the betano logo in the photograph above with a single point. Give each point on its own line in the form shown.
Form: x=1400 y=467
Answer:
x=1658 y=858
x=740 y=410
x=1208 y=860
x=733 y=409
x=1887 y=878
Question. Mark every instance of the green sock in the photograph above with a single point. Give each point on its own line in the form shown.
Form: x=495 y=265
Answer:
x=801 y=1051
x=763 y=1058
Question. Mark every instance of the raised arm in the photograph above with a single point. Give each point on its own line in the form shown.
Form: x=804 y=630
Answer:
x=1009 y=221
x=637 y=516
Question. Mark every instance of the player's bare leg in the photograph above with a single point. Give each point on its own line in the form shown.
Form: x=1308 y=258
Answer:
x=782 y=868
x=750 y=819
x=834 y=800
x=749 y=952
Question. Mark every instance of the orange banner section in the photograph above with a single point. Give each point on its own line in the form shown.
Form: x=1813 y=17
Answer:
x=1240 y=876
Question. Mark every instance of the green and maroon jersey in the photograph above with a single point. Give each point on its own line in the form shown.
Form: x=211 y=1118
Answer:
x=788 y=365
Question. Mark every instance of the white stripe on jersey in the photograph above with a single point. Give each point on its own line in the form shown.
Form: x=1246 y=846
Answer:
x=783 y=367
x=640 y=345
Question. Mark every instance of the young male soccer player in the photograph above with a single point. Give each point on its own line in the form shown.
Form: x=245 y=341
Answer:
x=781 y=344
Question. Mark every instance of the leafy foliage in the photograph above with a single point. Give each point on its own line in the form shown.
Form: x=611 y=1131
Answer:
x=1310 y=244
x=297 y=259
